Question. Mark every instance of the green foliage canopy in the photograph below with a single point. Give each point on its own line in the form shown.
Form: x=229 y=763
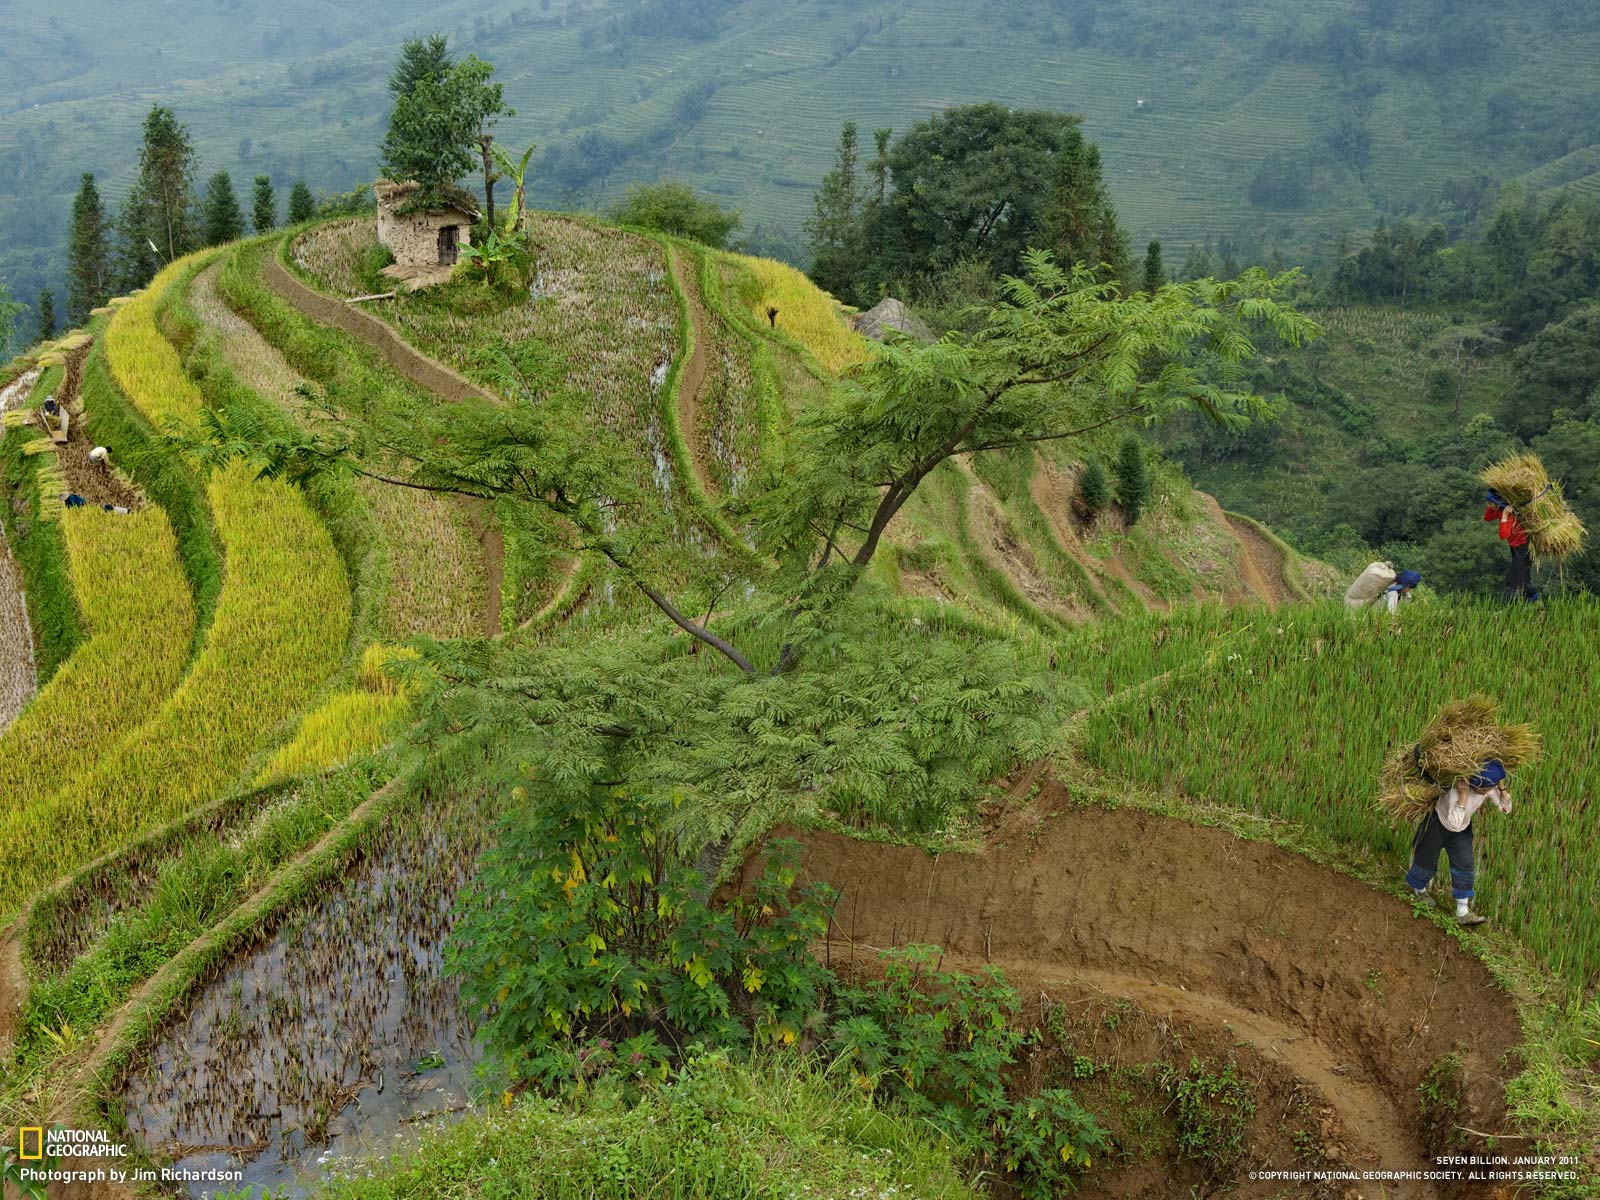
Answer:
x=675 y=208
x=980 y=181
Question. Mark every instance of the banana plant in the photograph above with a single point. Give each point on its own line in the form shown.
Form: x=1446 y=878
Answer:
x=513 y=170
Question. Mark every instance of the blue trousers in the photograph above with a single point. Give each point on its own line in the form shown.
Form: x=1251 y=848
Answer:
x=1431 y=838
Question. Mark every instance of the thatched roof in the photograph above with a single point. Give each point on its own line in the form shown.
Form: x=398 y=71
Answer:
x=889 y=314
x=407 y=197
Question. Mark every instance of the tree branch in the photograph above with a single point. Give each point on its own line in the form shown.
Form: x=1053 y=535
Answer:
x=1052 y=437
x=725 y=648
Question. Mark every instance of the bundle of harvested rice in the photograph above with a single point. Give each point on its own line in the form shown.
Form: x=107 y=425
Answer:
x=1554 y=530
x=1462 y=736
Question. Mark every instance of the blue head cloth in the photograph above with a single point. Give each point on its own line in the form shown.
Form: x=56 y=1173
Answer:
x=1408 y=579
x=1493 y=497
x=1492 y=774
x=75 y=501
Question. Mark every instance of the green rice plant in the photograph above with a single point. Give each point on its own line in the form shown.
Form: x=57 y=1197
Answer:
x=775 y=1127
x=199 y=877
x=1290 y=715
x=140 y=617
x=436 y=578
x=40 y=552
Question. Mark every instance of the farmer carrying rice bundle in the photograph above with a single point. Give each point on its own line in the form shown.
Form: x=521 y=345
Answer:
x=1463 y=758
x=1531 y=513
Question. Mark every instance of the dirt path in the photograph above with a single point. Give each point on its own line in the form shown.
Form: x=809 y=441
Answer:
x=13 y=983
x=1006 y=552
x=1049 y=493
x=16 y=640
x=693 y=376
x=1336 y=981
x=1261 y=563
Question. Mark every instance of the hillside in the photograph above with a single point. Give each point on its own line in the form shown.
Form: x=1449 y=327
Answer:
x=1328 y=114
x=279 y=718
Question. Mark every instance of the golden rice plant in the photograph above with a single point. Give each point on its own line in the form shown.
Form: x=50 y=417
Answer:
x=280 y=629
x=347 y=726
x=140 y=619
x=805 y=312
x=1554 y=530
x=376 y=674
x=143 y=362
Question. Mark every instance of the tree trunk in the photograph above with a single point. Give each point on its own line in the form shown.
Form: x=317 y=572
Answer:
x=489 y=177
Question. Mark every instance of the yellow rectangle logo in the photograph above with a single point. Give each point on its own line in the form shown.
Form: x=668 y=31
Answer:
x=38 y=1142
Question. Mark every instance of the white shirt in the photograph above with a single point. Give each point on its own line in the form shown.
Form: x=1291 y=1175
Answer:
x=1457 y=806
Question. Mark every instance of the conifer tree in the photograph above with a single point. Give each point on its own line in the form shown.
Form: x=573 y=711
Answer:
x=835 y=223
x=301 y=206
x=1155 y=272
x=1133 y=479
x=223 y=220
x=1093 y=487
x=45 y=311
x=420 y=58
x=161 y=208
x=88 y=253
x=264 y=208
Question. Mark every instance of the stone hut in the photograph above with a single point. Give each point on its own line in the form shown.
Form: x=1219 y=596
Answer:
x=422 y=238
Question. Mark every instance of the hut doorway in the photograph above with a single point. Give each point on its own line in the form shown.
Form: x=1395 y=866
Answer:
x=449 y=245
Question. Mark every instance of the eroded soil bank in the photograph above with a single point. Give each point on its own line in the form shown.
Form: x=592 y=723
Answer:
x=1307 y=970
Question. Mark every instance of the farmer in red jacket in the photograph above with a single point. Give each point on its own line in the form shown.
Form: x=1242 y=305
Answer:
x=1519 y=580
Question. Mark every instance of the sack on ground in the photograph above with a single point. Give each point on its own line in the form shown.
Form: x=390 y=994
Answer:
x=1369 y=585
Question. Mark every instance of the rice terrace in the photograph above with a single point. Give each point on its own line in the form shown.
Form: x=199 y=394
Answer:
x=509 y=688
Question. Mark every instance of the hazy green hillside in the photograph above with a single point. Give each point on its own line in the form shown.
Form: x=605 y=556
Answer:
x=1363 y=107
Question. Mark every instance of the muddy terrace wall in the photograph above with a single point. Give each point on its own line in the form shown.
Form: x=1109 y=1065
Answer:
x=336 y=1032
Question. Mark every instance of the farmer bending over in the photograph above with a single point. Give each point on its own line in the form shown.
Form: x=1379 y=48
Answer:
x=1400 y=589
x=1448 y=827
x=1519 y=579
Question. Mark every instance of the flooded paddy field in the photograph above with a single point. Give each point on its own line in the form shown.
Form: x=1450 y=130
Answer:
x=338 y=1035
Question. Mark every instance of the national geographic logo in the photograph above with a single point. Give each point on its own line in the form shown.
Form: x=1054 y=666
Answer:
x=35 y=1133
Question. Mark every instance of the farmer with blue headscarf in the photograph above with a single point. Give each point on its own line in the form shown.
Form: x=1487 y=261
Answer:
x=1400 y=589
x=1448 y=828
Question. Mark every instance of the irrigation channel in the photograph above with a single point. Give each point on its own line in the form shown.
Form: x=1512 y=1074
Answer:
x=338 y=1036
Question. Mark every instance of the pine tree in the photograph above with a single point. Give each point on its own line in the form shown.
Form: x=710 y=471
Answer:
x=161 y=207
x=1133 y=479
x=137 y=259
x=835 y=223
x=46 y=313
x=420 y=58
x=264 y=209
x=1155 y=272
x=223 y=220
x=301 y=206
x=1093 y=487
x=88 y=253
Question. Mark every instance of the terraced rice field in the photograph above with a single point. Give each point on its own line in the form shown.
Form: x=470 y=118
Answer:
x=1289 y=715
x=280 y=628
